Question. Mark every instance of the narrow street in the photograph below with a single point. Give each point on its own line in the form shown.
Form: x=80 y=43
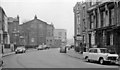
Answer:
x=50 y=58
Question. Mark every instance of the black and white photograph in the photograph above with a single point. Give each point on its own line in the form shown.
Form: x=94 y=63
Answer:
x=60 y=34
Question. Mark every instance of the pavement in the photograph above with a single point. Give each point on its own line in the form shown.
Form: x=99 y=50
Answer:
x=74 y=54
x=7 y=52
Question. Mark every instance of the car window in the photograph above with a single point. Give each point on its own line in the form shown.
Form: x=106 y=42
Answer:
x=95 y=50
x=91 y=50
x=104 y=50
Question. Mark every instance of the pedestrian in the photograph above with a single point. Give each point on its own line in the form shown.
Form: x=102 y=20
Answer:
x=12 y=47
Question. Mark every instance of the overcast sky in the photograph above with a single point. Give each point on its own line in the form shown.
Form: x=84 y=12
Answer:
x=59 y=12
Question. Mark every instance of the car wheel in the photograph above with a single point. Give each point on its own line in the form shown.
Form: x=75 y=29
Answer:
x=101 y=61
x=86 y=59
x=15 y=52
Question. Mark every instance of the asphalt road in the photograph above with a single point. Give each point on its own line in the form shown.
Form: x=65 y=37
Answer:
x=50 y=58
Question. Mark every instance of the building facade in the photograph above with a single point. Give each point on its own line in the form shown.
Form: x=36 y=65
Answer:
x=60 y=37
x=77 y=24
x=4 y=36
x=104 y=24
x=13 y=30
x=50 y=35
x=99 y=23
x=36 y=32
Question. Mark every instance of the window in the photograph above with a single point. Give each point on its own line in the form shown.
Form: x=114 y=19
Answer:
x=60 y=33
x=95 y=51
x=91 y=21
x=83 y=11
x=111 y=39
x=104 y=50
x=91 y=50
x=111 y=17
x=103 y=18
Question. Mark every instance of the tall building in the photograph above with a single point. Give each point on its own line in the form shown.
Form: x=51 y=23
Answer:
x=104 y=24
x=78 y=27
x=4 y=36
x=36 y=32
x=60 y=37
x=99 y=23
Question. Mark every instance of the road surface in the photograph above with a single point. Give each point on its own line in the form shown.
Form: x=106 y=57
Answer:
x=50 y=58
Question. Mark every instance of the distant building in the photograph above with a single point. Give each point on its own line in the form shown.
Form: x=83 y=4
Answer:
x=13 y=29
x=36 y=32
x=50 y=35
x=60 y=37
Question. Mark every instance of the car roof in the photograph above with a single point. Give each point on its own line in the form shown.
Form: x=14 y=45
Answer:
x=98 y=48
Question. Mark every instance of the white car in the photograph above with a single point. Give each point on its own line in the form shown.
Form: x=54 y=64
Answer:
x=40 y=47
x=101 y=54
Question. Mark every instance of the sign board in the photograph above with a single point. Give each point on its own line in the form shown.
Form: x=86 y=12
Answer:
x=79 y=37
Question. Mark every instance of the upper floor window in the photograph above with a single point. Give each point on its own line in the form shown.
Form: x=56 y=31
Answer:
x=83 y=11
x=91 y=21
x=111 y=12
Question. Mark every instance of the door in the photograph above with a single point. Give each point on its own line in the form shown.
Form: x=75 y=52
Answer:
x=95 y=54
x=91 y=52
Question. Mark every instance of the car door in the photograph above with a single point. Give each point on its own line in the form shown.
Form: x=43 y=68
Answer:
x=90 y=54
x=95 y=54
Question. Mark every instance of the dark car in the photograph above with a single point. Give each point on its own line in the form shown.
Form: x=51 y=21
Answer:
x=63 y=49
x=20 y=50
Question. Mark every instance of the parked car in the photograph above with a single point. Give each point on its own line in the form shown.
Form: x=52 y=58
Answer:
x=40 y=47
x=101 y=55
x=63 y=49
x=20 y=50
x=68 y=47
x=47 y=47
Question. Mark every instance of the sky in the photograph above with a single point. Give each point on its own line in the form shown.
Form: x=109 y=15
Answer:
x=58 y=12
